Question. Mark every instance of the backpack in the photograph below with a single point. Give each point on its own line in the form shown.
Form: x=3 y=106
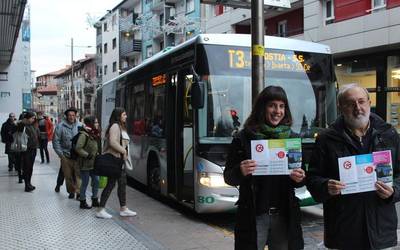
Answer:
x=73 y=154
x=20 y=142
x=42 y=129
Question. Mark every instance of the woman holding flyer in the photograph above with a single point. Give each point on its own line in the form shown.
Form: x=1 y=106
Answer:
x=268 y=211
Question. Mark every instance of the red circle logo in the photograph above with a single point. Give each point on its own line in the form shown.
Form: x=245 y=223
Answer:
x=369 y=169
x=281 y=154
x=259 y=148
x=347 y=164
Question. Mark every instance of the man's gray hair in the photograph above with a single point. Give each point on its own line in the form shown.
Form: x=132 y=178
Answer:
x=343 y=89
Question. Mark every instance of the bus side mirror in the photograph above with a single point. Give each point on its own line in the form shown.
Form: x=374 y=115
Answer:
x=198 y=94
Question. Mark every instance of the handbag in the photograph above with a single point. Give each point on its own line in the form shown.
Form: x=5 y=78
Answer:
x=20 y=142
x=108 y=165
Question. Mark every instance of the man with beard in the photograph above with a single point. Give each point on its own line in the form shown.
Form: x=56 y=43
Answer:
x=358 y=221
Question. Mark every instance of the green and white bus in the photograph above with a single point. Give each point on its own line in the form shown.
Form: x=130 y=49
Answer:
x=185 y=103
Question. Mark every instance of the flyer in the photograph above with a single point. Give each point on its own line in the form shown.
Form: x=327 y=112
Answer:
x=277 y=156
x=360 y=172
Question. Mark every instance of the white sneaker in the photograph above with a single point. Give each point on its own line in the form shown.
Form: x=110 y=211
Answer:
x=127 y=212
x=103 y=214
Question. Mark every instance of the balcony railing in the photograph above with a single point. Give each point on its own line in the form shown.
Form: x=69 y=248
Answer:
x=130 y=47
x=288 y=33
x=126 y=23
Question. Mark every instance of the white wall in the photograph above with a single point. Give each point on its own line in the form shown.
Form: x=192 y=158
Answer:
x=381 y=28
x=19 y=79
x=112 y=55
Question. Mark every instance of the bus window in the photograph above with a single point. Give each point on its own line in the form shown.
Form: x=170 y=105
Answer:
x=139 y=122
x=157 y=110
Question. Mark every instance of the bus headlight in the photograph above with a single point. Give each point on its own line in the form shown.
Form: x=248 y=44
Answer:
x=212 y=180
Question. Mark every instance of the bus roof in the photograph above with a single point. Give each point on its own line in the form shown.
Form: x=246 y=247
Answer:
x=271 y=42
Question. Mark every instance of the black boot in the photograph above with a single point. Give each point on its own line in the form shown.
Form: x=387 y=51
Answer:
x=78 y=197
x=20 y=180
x=28 y=188
x=95 y=202
x=71 y=195
x=84 y=205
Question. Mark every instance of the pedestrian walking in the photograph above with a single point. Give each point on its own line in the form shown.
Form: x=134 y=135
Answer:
x=116 y=143
x=366 y=220
x=62 y=144
x=7 y=130
x=28 y=157
x=43 y=139
x=268 y=211
x=87 y=149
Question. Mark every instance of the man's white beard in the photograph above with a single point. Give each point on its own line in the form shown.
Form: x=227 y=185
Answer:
x=361 y=121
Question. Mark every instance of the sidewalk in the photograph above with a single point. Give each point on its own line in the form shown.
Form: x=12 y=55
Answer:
x=44 y=219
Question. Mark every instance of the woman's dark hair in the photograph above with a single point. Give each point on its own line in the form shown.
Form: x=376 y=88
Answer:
x=257 y=116
x=89 y=120
x=116 y=118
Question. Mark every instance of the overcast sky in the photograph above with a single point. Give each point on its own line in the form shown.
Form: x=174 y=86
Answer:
x=54 y=22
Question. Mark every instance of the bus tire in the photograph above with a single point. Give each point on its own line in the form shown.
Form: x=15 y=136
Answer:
x=153 y=176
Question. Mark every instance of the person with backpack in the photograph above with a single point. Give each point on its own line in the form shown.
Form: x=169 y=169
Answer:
x=62 y=144
x=43 y=139
x=87 y=148
x=7 y=130
x=28 y=157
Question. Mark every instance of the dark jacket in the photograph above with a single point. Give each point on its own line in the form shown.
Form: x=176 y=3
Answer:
x=245 y=228
x=7 y=130
x=353 y=220
x=33 y=136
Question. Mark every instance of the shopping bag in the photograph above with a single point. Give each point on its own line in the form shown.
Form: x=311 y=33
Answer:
x=102 y=181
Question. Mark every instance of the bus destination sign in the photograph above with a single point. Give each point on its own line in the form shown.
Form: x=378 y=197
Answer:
x=274 y=60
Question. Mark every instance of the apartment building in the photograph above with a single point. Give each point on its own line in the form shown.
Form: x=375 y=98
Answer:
x=118 y=41
x=81 y=91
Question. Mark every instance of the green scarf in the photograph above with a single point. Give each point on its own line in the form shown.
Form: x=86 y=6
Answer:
x=279 y=132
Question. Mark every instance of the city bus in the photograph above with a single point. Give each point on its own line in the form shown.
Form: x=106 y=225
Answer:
x=185 y=103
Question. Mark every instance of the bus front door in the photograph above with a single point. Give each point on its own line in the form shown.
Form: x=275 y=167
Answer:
x=180 y=138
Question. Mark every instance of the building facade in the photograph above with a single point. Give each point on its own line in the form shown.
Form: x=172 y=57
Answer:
x=364 y=37
x=81 y=91
x=118 y=41
x=15 y=63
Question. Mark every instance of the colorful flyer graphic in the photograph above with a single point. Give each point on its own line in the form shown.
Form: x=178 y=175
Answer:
x=360 y=172
x=276 y=157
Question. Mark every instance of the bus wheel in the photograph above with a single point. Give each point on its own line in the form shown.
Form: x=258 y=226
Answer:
x=153 y=183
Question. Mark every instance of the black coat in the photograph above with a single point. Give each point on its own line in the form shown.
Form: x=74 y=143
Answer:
x=7 y=130
x=245 y=228
x=353 y=220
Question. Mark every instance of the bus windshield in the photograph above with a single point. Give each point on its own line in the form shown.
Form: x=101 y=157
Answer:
x=306 y=77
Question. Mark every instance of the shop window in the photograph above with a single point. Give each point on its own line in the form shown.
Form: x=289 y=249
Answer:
x=361 y=72
x=393 y=94
x=329 y=10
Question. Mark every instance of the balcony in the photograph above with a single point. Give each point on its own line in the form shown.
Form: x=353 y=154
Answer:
x=126 y=23
x=130 y=47
x=288 y=33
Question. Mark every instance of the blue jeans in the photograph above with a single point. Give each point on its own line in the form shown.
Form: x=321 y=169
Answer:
x=85 y=181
